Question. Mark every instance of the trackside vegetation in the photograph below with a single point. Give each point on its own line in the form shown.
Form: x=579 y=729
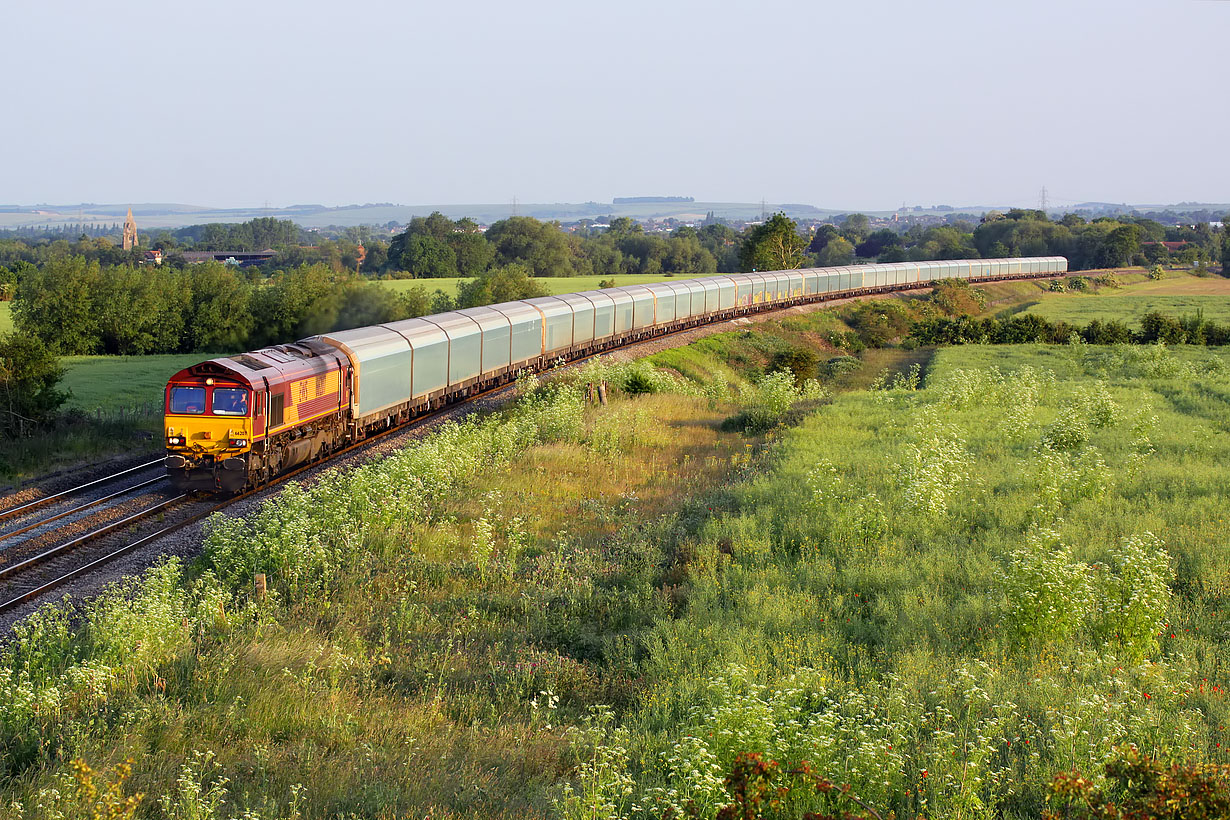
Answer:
x=989 y=582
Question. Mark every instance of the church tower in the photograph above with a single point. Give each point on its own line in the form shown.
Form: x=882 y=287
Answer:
x=130 y=232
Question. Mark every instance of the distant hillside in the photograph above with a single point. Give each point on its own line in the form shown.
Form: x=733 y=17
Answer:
x=175 y=215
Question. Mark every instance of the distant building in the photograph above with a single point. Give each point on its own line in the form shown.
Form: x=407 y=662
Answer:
x=153 y=257
x=130 y=232
x=238 y=258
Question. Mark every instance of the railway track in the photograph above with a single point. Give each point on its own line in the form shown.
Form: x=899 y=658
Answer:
x=37 y=564
x=62 y=557
x=17 y=510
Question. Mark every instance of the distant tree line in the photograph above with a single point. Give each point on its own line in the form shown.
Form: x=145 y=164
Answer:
x=89 y=296
x=1104 y=242
x=79 y=306
x=436 y=246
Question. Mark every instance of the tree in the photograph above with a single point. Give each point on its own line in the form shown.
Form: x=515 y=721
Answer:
x=141 y=311
x=540 y=246
x=426 y=257
x=773 y=245
x=219 y=313
x=473 y=252
x=55 y=304
x=824 y=234
x=855 y=227
x=506 y=284
x=297 y=303
x=876 y=243
x=838 y=251
x=1121 y=246
x=623 y=226
x=29 y=375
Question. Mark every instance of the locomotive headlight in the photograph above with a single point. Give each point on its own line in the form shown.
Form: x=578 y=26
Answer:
x=239 y=442
x=175 y=440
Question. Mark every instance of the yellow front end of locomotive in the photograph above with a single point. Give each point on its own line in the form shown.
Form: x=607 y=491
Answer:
x=209 y=433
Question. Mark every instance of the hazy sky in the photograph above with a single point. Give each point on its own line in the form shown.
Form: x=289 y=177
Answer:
x=845 y=105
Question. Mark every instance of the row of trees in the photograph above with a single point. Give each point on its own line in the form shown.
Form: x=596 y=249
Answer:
x=1101 y=243
x=1030 y=328
x=77 y=306
x=438 y=247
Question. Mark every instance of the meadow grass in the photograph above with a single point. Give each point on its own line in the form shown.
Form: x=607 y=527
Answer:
x=940 y=592
x=429 y=659
x=111 y=383
x=963 y=571
x=1176 y=295
x=6 y=317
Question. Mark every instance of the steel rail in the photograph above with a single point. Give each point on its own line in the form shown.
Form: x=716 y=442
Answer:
x=47 y=555
x=39 y=502
x=85 y=506
x=98 y=562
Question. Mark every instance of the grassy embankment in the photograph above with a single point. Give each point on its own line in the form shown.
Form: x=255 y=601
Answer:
x=941 y=593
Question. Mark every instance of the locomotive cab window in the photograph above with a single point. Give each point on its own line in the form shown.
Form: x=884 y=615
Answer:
x=230 y=401
x=187 y=400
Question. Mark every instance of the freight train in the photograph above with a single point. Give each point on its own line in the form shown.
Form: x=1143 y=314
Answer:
x=235 y=422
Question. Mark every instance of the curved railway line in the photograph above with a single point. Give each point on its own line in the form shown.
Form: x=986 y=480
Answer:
x=36 y=559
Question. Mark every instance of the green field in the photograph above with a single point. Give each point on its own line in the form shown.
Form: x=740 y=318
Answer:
x=941 y=594
x=112 y=383
x=1174 y=297
x=554 y=284
x=6 y=317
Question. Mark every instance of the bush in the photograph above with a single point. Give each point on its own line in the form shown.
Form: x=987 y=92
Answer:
x=769 y=402
x=1078 y=283
x=955 y=297
x=1157 y=327
x=841 y=365
x=1140 y=787
x=801 y=362
x=29 y=374
x=1112 y=332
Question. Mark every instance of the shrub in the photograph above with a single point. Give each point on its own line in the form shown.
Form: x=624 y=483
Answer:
x=1078 y=283
x=935 y=464
x=1133 y=593
x=1046 y=592
x=1111 y=332
x=1140 y=787
x=1055 y=286
x=1157 y=327
x=955 y=297
x=29 y=375
x=1069 y=431
x=769 y=401
x=799 y=361
x=841 y=365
